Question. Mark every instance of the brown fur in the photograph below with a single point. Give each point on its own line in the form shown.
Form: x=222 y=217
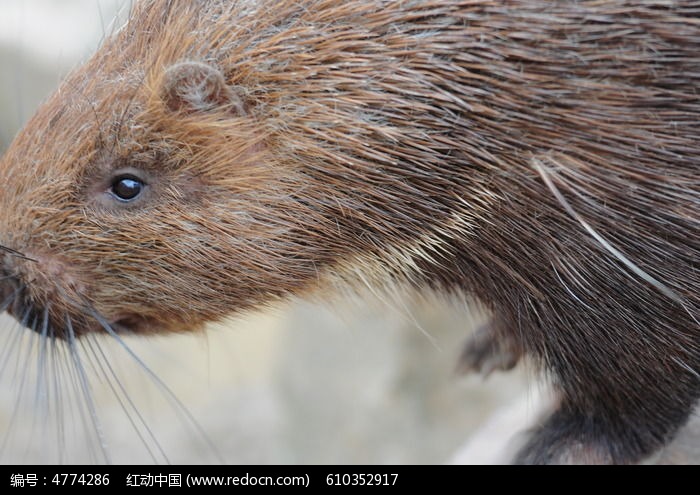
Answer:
x=540 y=155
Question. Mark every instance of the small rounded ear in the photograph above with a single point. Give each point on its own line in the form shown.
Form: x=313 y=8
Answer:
x=198 y=87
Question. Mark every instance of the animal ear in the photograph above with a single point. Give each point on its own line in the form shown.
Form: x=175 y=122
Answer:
x=199 y=87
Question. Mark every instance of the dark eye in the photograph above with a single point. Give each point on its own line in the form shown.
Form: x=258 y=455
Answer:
x=127 y=188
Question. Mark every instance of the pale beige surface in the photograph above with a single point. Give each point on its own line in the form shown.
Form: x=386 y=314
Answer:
x=304 y=386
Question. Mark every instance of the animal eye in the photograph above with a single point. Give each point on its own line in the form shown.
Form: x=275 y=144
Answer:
x=127 y=188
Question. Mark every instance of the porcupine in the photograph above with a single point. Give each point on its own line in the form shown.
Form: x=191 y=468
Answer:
x=216 y=155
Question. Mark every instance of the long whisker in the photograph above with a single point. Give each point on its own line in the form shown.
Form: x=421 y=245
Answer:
x=104 y=366
x=34 y=341
x=17 y=355
x=87 y=392
x=17 y=254
x=41 y=363
x=41 y=400
x=177 y=404
x=58 y=397
x=20 y=377
x=75 y=405
x=10 y=348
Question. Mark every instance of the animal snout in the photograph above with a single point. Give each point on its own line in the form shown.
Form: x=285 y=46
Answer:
x=10 y=295
x=8 y=283
x=13 y=291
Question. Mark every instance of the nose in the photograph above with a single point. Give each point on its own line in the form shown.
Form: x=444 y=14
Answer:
x=14 y=293
x=9 y=294
x=10 y=284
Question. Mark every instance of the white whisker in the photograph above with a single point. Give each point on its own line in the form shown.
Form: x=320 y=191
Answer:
x=104 y=362
x=86 y=390
x=177 y=404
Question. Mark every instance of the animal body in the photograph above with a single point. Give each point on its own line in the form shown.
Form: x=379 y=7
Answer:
x=542 y=156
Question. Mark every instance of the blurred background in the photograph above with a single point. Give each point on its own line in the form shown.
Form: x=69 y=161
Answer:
x=345 y=382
